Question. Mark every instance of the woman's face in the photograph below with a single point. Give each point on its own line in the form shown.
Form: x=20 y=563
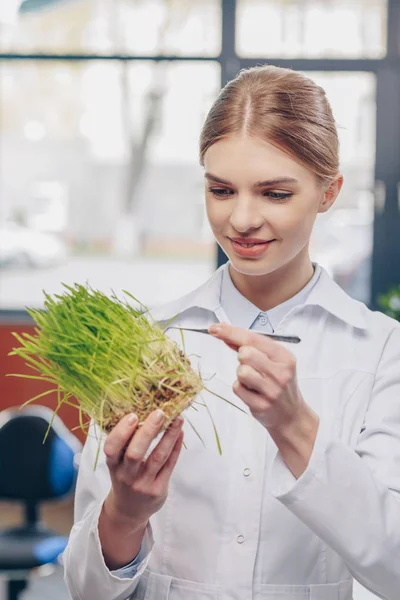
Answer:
x=256 y=193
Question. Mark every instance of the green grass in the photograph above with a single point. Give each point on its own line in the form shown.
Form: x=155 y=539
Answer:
x=107 y=359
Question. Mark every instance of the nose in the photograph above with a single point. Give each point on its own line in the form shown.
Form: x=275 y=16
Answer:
x=245 y=215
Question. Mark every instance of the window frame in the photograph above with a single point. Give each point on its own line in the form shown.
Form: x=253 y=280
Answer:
x=386 y=229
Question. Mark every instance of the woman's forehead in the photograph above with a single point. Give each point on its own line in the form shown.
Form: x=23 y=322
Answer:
x=252 y=159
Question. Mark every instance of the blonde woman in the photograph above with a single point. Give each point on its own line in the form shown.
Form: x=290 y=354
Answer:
x=305 y=496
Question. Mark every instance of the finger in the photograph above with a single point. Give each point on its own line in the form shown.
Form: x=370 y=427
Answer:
x=118 y=439
x=236 y=336
x=165 y=473
x=248 y=355
x=232 y=346
x=140 y=443
x=262 y=384
x=256 y=402
x=162 y=451
x=280 y=373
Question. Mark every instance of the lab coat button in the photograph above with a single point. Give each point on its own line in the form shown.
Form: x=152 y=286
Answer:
x=263 y=320
x=240 y=539
x=246 y=472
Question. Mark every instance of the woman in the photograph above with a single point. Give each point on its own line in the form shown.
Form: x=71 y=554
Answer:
x=306 y=493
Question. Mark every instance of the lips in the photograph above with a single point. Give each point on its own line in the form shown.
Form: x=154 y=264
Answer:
x=248 y=242
x=250 y=245
x=249 y=248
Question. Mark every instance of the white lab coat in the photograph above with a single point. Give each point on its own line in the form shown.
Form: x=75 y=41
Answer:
x=240 y=526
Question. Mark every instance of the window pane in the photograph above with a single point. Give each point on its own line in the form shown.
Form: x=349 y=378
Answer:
x=99 y=178
x=311 y=28
x=139 y=27
x=342 y=240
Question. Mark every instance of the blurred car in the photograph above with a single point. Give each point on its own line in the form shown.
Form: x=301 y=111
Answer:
x=21 y=246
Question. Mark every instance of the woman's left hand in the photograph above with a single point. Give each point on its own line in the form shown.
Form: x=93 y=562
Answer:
x=266 y=377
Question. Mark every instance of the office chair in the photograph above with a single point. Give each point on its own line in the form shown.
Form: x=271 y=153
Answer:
x=32 y=472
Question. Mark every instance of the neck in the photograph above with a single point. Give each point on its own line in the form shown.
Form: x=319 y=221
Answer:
x=272 y=289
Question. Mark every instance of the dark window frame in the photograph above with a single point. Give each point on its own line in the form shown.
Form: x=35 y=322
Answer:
x=386 y=232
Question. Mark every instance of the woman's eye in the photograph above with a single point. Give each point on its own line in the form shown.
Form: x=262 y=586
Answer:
x=278 y=195
x=220 y=191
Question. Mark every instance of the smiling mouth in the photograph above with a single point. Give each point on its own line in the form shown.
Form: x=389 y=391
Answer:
x=251 y=244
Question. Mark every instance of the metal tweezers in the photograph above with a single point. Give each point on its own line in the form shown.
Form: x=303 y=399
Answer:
x=291 y=339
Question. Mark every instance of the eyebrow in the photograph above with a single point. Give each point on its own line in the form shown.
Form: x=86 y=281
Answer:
x=267 y=182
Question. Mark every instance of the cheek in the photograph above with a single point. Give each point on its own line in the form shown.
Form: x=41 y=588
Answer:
x=296 y=222
x=216 y=213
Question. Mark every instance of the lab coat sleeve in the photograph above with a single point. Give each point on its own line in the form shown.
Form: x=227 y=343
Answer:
x=131 y=569
x=350 y=497
x=86 y=574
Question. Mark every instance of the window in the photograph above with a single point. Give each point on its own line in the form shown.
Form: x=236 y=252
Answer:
x=342 y=240
x=138 y=27
x=100 y=178
x=99 y=157
x=311 y=28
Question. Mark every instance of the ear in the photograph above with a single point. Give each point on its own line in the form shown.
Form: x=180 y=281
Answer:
x=330 y=193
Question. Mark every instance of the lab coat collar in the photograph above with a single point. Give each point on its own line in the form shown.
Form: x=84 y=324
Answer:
x=206 y=297
x=242 y=312
x=326 y=294
x=331 y=297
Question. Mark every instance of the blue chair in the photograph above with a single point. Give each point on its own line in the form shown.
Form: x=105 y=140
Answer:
x=32 y=472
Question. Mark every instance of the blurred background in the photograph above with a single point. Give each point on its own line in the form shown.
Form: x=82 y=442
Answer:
x=101 y=106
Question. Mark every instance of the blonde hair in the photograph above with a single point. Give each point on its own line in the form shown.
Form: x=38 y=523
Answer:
x=282 y=107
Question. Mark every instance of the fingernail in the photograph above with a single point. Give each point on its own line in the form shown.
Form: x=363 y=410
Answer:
x=157 y=417
x=132 y=419
x=215 y=329
x=177 y=423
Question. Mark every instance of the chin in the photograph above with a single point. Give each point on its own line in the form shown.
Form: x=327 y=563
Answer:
x=263 y=265
x=253 y=267
x=247 y=266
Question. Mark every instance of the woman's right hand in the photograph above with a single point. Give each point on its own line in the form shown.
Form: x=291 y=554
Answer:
x=140 y=487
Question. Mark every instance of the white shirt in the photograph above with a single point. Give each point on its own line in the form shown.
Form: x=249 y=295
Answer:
x=240 y=526
x=241 y=313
